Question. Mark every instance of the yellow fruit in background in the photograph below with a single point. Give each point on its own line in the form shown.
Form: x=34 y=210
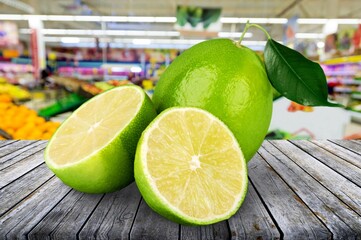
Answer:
x=24 y=123
x=39 y=120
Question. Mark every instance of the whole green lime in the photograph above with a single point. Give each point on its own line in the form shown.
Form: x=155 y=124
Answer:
x=226 y=79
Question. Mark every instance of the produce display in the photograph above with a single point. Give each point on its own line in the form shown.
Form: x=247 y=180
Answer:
x=16 y=92
x=68 y=103
x=20 y=122
x=344 y=80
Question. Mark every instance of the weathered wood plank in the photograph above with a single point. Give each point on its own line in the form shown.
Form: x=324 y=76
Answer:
x=20 y=220
x=218 y=231
x=22 y=153
x=114 y=216
x=293 y=217
x=14 y=147
x=9 y=174
x=338 y=164
x=340 y=151
x=149 y=225
x=342 y=221
x=354 y=141
x=340 y=186
x=22 y=187
x=66 y=219
x=252 y=221
x=4 y=143
x=354 y=146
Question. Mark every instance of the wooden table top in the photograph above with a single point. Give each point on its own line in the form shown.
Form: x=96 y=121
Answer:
x=298 y=190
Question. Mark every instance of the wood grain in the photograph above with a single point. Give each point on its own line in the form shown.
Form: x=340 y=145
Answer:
x=114 y=216
x=336 y=215
x=354 y=145
x=340 y=186
x=151 y=226
x=19 y=221
x=67 y=218
x=338 y=164
x=14 y=146
x=216 y=231
x=297 y=190
x=340 y=151
x=15 y=192
x=25 y=165
x=252 y=220
x=4 y=143
x=294 y=218
x=21 y=153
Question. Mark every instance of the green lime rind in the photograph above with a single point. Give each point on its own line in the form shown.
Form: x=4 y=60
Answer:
x=158 y=203
x=226 y=79
x=110 y=168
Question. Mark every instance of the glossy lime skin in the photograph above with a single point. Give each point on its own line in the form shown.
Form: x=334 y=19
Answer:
x=226 y=79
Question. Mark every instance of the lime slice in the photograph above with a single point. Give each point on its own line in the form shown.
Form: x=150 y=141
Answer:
x=93 y=150
x=189 y=167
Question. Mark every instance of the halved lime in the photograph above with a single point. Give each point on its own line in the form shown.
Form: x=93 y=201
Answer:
x=93 y=150
x=189 y=167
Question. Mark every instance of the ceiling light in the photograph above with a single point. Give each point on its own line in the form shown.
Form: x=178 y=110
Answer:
x=312 y=20
x=234 y=35
x=41 y=17
x=310 y=35
x=165 y=19
x=60 y=17
x=53 y=31
x=348 y=21
x=52 y=39
x=141 y=41
x=229 y=20
x=69 y=40
x=149 y=43
x=114 y=19
x=269 y=20
x=82 y=32
x=12 y=17
x=254 y=43
x=139 y=33
x=254 y=20
x=320 y=44
x=141 y=19
x=135 y=69
x=87 y=18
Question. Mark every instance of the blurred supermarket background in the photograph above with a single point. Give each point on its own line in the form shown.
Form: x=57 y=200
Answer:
x=54 y=55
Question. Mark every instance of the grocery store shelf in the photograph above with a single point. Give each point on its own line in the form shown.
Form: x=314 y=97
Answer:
x=342 y=60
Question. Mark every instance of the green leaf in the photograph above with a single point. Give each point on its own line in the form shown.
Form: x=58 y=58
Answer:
x=193 y=20
x=210 y=16
x=296 y=77
x=181 y=16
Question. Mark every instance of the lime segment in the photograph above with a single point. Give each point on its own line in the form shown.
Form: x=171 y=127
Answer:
x=93 y=150
x=190 y=168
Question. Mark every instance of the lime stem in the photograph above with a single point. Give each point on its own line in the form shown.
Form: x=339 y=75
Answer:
x=248 y=25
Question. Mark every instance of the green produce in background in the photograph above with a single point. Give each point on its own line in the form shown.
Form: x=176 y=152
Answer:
x=195 y=15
